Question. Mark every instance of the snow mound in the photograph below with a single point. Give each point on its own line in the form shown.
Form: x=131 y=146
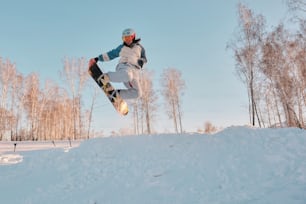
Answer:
x=235 y=166
x=7 y=159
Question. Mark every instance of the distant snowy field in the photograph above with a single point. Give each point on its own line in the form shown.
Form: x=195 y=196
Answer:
x=236 y=166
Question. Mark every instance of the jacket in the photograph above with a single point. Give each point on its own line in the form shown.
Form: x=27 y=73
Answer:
x=133 y=54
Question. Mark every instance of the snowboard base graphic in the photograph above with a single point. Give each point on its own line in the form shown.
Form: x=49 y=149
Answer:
x=112 y=94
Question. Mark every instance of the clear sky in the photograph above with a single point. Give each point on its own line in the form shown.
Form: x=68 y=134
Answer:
x=190 y=36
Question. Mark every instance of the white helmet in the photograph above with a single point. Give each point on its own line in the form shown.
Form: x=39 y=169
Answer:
x=129 y=32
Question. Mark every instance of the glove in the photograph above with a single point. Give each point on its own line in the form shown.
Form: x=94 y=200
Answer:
x=140 y=62
x=93 y=61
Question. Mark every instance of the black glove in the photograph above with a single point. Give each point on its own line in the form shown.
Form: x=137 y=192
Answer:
x=140 y=62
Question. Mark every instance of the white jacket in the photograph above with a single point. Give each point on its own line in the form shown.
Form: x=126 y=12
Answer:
x=133 y=54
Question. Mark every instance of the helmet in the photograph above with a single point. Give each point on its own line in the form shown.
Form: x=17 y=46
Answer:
x=129 y=32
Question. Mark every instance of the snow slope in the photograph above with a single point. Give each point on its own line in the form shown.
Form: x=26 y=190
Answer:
x=236 y=166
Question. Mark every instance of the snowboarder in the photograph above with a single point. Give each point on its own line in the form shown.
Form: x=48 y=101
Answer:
x=132 y=58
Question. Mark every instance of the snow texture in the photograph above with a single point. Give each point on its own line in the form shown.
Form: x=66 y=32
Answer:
x=239 y=165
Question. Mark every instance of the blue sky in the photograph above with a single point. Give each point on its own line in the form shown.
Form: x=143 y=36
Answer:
x=190 y=36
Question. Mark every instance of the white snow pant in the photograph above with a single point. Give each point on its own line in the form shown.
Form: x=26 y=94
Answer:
x=129 y=75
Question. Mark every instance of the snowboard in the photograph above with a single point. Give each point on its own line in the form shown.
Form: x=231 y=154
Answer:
x=112 y=94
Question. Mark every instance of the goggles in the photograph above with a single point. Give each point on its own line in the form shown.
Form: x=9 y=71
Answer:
x=127 y=38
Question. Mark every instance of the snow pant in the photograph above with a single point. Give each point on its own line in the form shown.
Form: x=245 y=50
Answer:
x=129 y=75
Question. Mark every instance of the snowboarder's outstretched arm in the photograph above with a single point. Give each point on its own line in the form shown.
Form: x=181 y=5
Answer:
x=114 y=53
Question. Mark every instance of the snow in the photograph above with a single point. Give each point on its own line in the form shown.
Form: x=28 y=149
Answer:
x=239 y=165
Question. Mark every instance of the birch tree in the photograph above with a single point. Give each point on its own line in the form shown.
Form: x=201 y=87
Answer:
x=7 y=74
x=281 y=72
x=17 y=95
x=75 y=74
x=148 y=99
x=172 y=91
x=246 y=49
x=89 y=113
x=284 y=65
x=31 y=103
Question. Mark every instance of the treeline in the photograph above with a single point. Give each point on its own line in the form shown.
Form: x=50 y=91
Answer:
x=35 y=110
x=29 y=111
x=272 y=65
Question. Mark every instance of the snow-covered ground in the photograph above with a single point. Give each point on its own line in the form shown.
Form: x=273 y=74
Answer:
x=236 y=166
